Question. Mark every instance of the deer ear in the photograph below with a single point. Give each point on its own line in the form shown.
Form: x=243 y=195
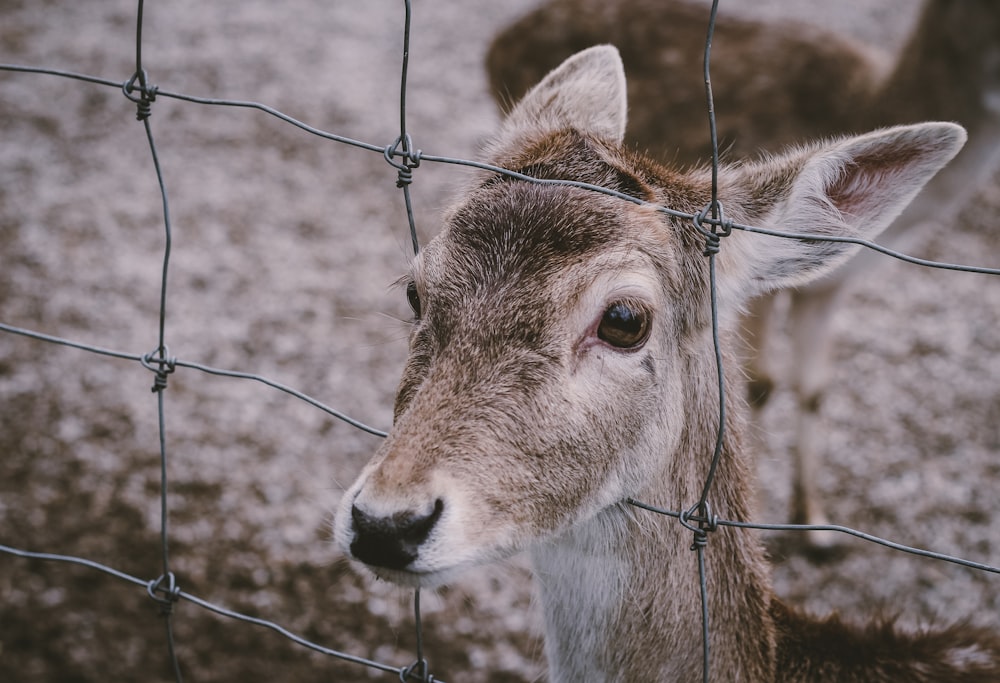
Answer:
x=852 y=187
x=586 y=92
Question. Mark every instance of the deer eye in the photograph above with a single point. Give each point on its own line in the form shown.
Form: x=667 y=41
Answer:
x=624 y=325
x=413 y=298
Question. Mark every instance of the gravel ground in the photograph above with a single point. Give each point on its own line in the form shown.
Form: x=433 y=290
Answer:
x=285 y=247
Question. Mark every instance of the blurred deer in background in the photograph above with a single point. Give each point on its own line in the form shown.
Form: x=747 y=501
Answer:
x=776 y=84
x=561 y=363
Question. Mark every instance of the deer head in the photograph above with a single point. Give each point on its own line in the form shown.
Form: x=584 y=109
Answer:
x=560 y=354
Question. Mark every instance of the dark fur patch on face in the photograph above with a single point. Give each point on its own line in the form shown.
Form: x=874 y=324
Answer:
x=649 y=366
x=531 y=228
x=586 y=161
x=505 y=248
x=509 y=244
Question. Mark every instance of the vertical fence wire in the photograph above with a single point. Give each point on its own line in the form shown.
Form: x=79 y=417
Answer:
x=711 y=250
x=404 y=145
x=710 y=222
x=164 y=590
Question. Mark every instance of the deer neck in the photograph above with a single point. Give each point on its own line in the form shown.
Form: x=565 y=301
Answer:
x=617 y=588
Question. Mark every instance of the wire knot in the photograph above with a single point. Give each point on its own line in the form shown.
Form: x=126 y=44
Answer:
x=712 y=245
x=411 y=160
x=417 y=670
x=700 y=520
x=720 y=226
x=161 y=366
x=146 y=97
x=171 y=592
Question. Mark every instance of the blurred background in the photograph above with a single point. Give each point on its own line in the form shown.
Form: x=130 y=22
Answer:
x=285 y=248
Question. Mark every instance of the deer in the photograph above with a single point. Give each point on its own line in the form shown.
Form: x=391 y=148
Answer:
x=778 y=83
x=561 y=365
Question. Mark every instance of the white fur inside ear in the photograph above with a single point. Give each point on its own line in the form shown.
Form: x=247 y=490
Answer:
x=881 y=172
x=853 y=187
x=586 y=92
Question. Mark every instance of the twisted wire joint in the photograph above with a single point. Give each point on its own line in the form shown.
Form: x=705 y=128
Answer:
x=700 y=520
x=411 y=160
x=161 y=366
x=417 y=670
x=720 y=227
x=171 y=592
x=146 y=97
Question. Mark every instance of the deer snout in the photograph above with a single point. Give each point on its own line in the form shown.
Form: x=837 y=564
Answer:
x=391 y=541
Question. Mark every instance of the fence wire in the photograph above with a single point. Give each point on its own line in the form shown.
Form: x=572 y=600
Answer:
x=711 y=222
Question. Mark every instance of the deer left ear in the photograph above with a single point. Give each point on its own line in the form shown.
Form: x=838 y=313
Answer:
x=586 y=92
x=853 y=187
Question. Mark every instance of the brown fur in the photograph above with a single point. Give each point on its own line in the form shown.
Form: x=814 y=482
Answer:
x=761 y=95
x=833 y=651
x=777 y=83
x=519 y=427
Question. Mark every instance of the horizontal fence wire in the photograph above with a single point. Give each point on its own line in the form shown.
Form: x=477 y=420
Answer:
x=710 y=222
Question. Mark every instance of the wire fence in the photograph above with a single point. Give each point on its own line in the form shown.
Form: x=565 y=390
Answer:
x=165 y=589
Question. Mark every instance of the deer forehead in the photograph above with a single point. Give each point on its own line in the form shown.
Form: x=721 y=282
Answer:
x=533 y=255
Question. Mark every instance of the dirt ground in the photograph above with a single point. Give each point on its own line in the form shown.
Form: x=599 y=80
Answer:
x=284 y=249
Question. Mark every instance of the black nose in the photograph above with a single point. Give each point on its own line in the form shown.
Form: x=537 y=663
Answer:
x=392 y=542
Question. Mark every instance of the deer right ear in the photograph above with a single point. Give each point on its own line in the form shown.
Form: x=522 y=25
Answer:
x=586 y=92
x=853 y=187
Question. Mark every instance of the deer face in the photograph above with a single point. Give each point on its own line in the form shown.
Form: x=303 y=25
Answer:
x=560 y=360
x=542 y=351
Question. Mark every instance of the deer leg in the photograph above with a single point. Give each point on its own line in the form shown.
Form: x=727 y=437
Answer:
x=757 y=329
x=810 y=315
